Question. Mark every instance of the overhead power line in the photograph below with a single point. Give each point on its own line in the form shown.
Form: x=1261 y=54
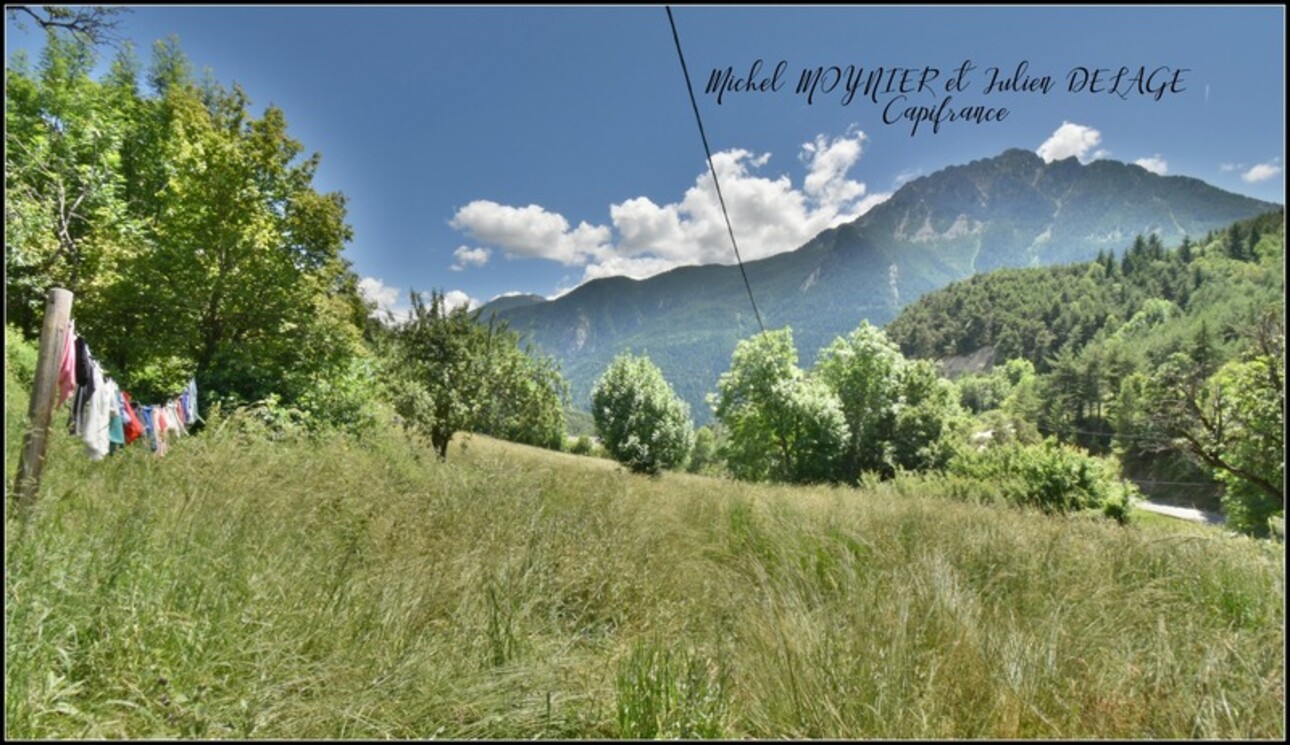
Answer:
x=690 y=87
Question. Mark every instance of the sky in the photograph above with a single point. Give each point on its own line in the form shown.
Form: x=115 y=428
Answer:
x=487 y=151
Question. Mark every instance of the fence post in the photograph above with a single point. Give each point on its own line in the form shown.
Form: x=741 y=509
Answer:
x=53 y=337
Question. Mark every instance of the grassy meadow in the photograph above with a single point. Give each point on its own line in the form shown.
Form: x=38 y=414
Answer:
x=244 y=588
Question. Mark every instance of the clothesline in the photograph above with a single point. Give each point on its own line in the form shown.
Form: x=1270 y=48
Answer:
x=104 y=416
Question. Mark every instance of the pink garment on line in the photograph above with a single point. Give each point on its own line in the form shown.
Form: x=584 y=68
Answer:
x=67 y=366
x=159 y=421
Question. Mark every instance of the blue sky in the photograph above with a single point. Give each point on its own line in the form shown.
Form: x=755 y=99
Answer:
x=487 y=151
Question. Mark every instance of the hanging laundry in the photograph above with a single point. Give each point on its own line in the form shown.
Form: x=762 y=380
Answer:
x=94 y=426
x=121 y=407
x=176 y=418
x=149 y=426
x=116 y=422
x=84 y=364
x=161 y=427
x=67 y=365
x=84 y=385
x=134 y=426
x=104 y=416
x=191 y=401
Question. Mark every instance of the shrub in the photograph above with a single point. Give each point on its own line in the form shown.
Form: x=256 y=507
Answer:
x=1055 y=478
x=19 y=356
x=581 y=446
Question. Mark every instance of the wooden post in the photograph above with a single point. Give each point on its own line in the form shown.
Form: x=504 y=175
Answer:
x=53 y=337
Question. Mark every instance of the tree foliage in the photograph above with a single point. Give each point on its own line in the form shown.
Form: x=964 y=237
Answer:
x=783 y=425
x=927 y=416
x=704 y=455
x=639 y=418
x=862 y=368
x=525 y=394
x=899 y=413
x=189 y=230
x=453 y=374
x=1232 y=421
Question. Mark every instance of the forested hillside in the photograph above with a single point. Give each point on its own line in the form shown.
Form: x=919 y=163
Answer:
x=1138 y=352
x=1035 y=312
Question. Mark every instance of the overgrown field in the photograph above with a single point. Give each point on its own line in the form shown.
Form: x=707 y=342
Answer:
x=359 y=589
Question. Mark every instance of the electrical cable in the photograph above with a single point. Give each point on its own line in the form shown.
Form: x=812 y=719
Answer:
x=707 y=150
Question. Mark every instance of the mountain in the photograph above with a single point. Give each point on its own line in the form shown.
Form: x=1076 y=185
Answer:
x=1012 y=210
x=509 y=302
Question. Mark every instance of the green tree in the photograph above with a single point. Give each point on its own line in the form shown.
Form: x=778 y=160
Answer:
x=1232 y=422
x=862 y=368
x=526 y=395
x=247 y=256
x=980 y=392
x=1253 y=464
x=189 y=230
x=927 y=414
x=449 y=373
x=640 y=420
x=898 y=413
x=782 y=424
x=442 y=361
x=65 y=220
x=703 y=456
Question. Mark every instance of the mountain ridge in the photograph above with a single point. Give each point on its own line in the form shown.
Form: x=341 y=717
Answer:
x=1009 y=210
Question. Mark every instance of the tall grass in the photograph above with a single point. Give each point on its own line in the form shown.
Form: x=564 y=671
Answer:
x=360 y=589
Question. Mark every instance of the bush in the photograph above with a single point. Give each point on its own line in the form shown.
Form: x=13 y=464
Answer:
x=581 y=446
x=19 y=357
x=345 y=400
x=1055 y=478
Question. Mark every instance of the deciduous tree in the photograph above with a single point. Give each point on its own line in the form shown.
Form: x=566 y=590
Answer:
x=639 y=418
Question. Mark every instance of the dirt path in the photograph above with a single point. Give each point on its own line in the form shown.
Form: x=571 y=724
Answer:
x=1184 y=513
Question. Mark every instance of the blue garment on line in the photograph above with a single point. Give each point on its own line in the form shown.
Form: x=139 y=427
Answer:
x=145 y=413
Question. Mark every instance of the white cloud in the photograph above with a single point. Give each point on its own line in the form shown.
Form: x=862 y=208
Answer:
x=1071 y=139
x=1155 y=164
x=393 y=301
x=904 y=177
x=530 y=232
x=769 y=215
x=828 y=163
x=456 y=298
x=386 y=298
x=467 y=256
x=1226 y=167
x=1262 y=172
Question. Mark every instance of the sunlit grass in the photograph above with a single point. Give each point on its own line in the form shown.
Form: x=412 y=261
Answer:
x=343 y=589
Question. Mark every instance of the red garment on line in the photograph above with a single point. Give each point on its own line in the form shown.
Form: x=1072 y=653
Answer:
x=134 y=428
